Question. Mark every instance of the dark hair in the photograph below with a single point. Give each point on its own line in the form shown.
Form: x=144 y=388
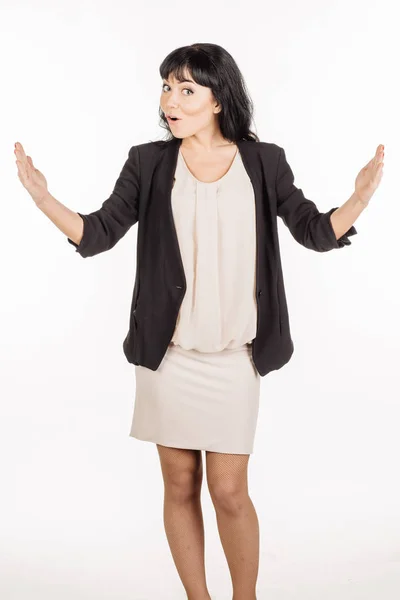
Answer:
x=212 y=66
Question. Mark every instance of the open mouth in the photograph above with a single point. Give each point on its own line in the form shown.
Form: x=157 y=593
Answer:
x=173 y=119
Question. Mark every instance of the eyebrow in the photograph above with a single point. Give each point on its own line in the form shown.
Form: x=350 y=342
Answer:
x=183 y=81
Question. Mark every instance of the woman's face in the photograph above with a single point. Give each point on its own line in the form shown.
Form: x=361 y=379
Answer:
x=193 y=104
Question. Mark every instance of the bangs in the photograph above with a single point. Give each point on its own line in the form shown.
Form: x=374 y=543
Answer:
x=197 y=67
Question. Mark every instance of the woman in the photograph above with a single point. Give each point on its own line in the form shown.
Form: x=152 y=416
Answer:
x=205 y=393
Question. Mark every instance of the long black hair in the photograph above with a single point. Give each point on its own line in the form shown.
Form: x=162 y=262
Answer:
x=212 y=66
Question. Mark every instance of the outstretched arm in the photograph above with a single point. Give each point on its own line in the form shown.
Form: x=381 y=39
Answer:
x=104 y=227
x=314 y=229
x=99 y=230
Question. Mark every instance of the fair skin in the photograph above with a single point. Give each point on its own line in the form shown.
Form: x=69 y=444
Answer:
x=208 y=156
x=206 y=152
x=237 y=521
x=366 y=183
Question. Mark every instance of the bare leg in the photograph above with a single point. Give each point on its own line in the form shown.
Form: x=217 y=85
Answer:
x=236 y=518
x=182 y=472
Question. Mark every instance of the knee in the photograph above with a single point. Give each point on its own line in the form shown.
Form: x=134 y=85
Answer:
x=183 y=487
x=228 y=496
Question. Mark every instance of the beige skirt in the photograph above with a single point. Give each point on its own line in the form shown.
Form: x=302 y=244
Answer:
x=198 y=400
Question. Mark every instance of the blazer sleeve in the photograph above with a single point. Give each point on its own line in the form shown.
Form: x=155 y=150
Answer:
x=104 y=227
x=309 y=227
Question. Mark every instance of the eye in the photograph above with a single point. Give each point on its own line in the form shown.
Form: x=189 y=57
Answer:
x=188 y=89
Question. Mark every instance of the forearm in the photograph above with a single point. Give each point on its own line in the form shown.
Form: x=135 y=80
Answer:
x=67 y=221
x=346 y=215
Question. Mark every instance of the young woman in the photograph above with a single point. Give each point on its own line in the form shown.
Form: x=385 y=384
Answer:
x=209 y=314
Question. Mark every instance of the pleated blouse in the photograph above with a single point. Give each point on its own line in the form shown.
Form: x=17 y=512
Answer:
x=215 y=224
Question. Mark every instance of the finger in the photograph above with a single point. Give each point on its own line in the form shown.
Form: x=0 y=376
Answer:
x=369 y=164
x=20 y=149
x=380 y=158
x=380 y=152
x=20 y=154
x=21 y=170
x=378 y=174
x=377 y=156
x=22 y=166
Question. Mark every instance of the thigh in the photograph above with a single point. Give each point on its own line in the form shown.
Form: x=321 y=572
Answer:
x=182 y=469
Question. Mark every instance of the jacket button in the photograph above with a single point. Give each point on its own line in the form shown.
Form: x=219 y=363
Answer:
x=179 y=286
x=259 y=292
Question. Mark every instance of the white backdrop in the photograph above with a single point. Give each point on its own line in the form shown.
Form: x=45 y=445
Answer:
x=81 y=501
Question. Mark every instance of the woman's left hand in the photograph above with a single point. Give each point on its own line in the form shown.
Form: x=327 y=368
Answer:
x=370 y=176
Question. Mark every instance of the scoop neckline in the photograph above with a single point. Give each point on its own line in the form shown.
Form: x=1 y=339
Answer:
x=209 y=183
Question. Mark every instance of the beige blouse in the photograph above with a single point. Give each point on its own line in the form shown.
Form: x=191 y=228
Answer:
x=215 y=224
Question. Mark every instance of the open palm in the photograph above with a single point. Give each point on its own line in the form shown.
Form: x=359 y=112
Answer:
x=370 y=176
x=31 y=178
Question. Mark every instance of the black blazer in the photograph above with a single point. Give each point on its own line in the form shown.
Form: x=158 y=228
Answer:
x=142 y=194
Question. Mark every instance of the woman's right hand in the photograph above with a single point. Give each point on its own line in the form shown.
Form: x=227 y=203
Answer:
x=31 y=178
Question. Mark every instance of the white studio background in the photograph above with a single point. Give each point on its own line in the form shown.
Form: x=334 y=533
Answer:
x=81 y=502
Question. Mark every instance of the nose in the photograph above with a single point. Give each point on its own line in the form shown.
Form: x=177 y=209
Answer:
x=172 y=105
x=170 y=101
x=171 y=108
